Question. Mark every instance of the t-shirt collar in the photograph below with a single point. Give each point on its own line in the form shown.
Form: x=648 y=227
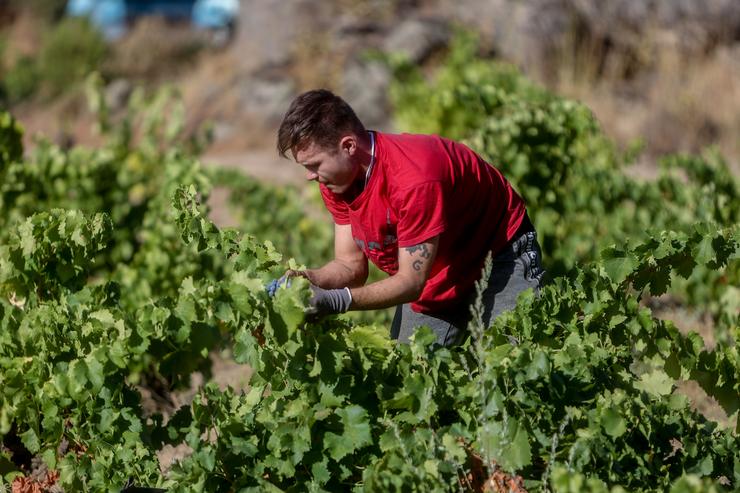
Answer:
x=372 y=158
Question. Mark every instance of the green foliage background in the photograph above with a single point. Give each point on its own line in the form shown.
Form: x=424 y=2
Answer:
x=569 y=173
x=69 y=51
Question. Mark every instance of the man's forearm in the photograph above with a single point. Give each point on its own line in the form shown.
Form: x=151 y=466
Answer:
x=389 y=292
x=337 y=274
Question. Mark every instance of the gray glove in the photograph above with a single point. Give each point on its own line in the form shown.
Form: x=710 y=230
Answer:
x=329 y=301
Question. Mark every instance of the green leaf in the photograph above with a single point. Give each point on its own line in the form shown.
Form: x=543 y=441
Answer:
x=244 y=290
x=107 y=417
x=423 y=337
x=246 y=348
x=453 y=448
x=356 y=433
x=31 y=440
x=613 y=423
x=254 y=396
x=703 y=251
x=28 y=242
x=289 y=308
x=244 y=447
x=6 y=465
x=320 y=472
x=95 y=373
x=103 y=316
x=704 y=467
x=432 y=467
x=656 y=383
x=78 y=377
x=50 y=458
x=507 y=444
x=618 y=264
x=373 y=340
x=186 y=309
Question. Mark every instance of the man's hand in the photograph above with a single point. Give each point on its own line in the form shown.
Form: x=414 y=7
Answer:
x=329 y=301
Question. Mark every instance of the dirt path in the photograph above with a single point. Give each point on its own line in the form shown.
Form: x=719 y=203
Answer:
x=263 y=164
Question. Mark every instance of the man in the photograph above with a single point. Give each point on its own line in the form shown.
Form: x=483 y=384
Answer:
x=426 y=210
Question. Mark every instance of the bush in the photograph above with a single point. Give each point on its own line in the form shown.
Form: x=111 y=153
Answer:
x=21 y=81
x=45 y=10
x=71 y=51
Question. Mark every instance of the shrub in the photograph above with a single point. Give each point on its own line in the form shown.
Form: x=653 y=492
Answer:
x=45 y=10
x=71 y=51
x=22 y=80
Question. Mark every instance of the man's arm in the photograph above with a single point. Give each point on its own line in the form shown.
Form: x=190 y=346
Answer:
x=414 y=265
x=349 y=267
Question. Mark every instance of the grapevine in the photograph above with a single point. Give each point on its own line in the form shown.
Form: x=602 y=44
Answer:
x=113 y=278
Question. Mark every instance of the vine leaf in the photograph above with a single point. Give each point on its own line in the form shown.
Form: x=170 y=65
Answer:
x=356 y=433
x=618 y=264
x=507 y=444
x=656 y=383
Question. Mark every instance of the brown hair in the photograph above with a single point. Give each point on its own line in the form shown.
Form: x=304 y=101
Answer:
x=317 y=116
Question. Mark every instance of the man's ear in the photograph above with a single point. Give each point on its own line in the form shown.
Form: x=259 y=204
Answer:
x=348 y=144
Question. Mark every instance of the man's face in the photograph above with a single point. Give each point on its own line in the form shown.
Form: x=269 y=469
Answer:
x=335 y=168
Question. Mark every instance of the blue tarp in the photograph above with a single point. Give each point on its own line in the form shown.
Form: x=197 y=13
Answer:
x=112 y=16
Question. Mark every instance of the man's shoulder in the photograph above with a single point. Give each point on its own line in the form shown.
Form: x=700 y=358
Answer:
x=409 y=139
x=411 y=159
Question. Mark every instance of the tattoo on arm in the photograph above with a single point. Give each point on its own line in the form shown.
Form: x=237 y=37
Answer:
x=423 y=247
x=418 y=263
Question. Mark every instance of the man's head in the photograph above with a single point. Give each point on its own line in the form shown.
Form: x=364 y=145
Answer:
x=325 y=136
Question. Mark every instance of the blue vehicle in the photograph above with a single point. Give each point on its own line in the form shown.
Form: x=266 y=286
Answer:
x=113 y=17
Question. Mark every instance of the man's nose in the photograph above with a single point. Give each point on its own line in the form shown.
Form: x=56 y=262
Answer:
x=311 y=176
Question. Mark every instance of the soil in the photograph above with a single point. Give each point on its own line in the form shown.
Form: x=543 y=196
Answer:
x=686 y=320
x=225 y=373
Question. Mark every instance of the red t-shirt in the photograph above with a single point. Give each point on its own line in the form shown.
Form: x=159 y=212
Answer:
x=422 y=186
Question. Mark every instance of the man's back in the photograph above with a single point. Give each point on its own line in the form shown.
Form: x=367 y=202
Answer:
x=422 y=186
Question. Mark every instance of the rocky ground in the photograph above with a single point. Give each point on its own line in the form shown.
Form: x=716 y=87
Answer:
x=663 y=71
x=655 y=70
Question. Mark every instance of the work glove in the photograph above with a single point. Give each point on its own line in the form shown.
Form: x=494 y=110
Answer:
x=329 y=301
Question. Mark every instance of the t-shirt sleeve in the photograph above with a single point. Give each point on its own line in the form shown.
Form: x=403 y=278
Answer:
x=336 y=207
x=421 y=213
